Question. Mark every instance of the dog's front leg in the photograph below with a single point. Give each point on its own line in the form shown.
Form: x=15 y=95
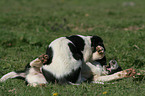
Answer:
x=119 y=75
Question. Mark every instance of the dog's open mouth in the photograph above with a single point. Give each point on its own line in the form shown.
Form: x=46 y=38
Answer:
x=108 y=68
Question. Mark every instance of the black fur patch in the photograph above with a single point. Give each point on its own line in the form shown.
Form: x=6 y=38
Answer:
x=77 y=41
x=49 y=52
x=76 y=53
x=26 y=83
x=49 y=76
x=116 y=70
x=102 y=61
x=95 y=41
x=74 y=75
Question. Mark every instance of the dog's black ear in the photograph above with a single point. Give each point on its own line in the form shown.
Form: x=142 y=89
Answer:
x=116 y=70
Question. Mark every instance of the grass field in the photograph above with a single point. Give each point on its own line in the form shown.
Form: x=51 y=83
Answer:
x=28 y=26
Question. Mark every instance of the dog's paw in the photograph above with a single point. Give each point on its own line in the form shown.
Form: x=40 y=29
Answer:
x=100 y=49
x=130 y=72
x=43 y=58
x=98 y=54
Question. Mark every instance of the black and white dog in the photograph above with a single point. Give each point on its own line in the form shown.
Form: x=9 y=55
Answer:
x=70 y=60
x=67 y=55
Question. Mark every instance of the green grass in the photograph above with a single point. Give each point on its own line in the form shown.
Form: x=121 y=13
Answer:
x=28 y=26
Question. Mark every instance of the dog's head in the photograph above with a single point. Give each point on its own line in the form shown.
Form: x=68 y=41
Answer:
x=113 y=67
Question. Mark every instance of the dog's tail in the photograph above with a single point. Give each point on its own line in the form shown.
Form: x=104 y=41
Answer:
x=13 y=74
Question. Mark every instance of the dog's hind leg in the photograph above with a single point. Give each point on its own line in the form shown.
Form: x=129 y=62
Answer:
x=12 y=75
x=119 y=75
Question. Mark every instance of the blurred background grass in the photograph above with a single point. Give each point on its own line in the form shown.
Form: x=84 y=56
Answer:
x=28 y=26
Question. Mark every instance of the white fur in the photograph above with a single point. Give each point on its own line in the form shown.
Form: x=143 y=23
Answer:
x=90 y=69
x=99 y=74
x=11 y=75
x=87 y=52
x=36 y=63
x=115 y=76
x=113 y=66
x=63 y=61
x=35 y=77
